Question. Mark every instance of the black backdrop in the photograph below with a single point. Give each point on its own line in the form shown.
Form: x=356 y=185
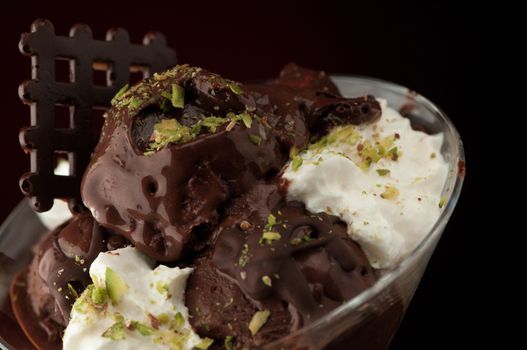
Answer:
x=433 y=49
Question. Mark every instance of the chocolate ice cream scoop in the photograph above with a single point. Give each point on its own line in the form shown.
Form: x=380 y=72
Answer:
x=274 y=257
x=177 y=147
x=59 y=273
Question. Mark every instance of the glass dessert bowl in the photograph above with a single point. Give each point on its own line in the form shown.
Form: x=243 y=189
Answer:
x=367 y=321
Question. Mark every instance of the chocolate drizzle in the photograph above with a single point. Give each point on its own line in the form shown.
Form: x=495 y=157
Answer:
x=312 y=265
x=163 y=202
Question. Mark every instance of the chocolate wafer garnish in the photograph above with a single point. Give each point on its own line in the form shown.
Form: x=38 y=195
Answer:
x=45 y=93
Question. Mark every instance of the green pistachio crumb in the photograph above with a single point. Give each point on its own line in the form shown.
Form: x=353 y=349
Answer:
x=236 y=88
x=162 y=288
x=229 y=342
x=141 y=328
x=166 y=95
x=383 y=172
x=178 y=96
x=256 y=139
x=119 y=94
x=204 y=344
x=180 y=320
x=115 y=285
x=135 y=103
x=213 y=122
x=269 y=236
x=258 y=320
x=246 y=119
x=169 y=131
x=442 y=202
x=267 y=281
x=244 y=257
x=271 y=221
x=164 y=318
x=296 y=163
x=72 y=290
x=116 y=331
x=98 y=295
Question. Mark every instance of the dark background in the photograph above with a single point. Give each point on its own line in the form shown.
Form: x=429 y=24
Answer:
x=433 y=49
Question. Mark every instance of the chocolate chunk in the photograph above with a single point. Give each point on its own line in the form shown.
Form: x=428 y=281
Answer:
x=42 y=139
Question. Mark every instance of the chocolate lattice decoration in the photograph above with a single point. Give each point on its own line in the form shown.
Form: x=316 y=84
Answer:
x=43 y=139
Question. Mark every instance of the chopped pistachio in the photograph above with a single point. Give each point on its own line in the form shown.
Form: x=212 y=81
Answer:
x=293 y=152
x=115 y=285
x=244 y=256
x=383 y=172
x=306 y=238
x=394 y=153
x=204 y=344
x=229 y=342
x=166 y=95
x=267 y=281
x=246 y=119
x=162 y=288
x=256 y=139
x=141 y=328
x=169 y=131
x=271 y=221
x=236 y=88
x=180 y=320
x=269 y=236
x=119 y=94
x=433 y=155
x=116 y=331
x=390 y=193
x=258 y=320
x=213 y=122
x=98 y=295
x=135 y=103
x=72 y=290
x=164 y=318
x=178 y=96
x=442 y=202
x=296 y=163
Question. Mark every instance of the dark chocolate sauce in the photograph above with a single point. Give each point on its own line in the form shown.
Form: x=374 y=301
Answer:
x=312 y=265
x=164 y=202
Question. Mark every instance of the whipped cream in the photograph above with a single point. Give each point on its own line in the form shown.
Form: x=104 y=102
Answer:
x=132 y=306
x=383 y=179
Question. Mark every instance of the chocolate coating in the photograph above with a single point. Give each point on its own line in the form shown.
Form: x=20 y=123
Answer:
x=312 y=268
x=61 y=263
x=166 y=201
